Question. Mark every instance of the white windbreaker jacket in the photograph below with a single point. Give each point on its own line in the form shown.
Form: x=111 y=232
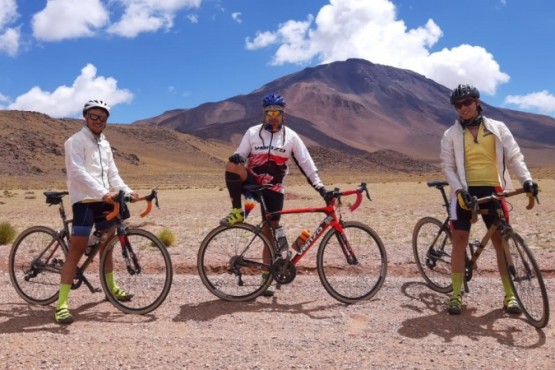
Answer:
x=507 y=150
x=91 y=170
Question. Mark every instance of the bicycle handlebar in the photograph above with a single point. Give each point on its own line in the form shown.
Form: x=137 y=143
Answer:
x=532 y=200
x=121 y=198
x=336 y=193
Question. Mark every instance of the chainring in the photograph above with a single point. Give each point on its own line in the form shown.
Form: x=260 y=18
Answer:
x=283 y=271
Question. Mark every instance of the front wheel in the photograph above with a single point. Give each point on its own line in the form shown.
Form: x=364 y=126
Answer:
x=432 y=247
x=352 y=265
x=231 y=261
x=35 y=264
x=143 y=268
x=527 y=281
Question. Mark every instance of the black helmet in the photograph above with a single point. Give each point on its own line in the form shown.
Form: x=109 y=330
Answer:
x=463 y=91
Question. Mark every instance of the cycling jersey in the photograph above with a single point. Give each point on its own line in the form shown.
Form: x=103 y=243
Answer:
x=91 y=170
x=268 y=154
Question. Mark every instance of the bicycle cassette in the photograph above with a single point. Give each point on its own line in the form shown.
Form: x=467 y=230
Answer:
x=283 y=271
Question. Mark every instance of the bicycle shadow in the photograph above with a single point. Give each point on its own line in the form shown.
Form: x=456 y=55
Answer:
x=210 y=310
x=468 y=324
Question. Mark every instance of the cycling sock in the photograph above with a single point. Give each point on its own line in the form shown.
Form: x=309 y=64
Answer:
x=63 y=295
x=507 y=286
x=110 y=281
x=457 y=278
x=235 y=188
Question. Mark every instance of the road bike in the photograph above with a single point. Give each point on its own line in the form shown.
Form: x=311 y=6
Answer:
x=351 y=259
x=432 y=248
x=142 y=267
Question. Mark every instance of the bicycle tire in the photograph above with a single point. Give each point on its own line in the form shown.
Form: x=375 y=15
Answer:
x=352 y=282
x=35 y=264
x=432 y=247
x=151 y=285
x=230 y=262
x=527 y=282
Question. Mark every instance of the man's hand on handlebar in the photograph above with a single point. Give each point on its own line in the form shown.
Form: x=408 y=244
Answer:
x=466 y=201
x=530 y=187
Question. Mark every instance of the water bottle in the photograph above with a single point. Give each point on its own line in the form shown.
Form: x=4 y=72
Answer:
x=281 y=239
x=94 y=239
x=303 y=237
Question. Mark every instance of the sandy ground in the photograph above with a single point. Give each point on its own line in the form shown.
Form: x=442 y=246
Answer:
x=404 y=326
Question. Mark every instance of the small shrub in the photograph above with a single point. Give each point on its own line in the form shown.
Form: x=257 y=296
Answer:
x=166 y=236
x=7 y=233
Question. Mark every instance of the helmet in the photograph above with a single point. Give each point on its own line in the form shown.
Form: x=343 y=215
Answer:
x=463 y=91
x=96 y=104
x=273 y=99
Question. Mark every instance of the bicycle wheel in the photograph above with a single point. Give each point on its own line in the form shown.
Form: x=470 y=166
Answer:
x=351 y=281
x=432 y=246
x=230 y=262
x=527 y=281
x=35 y=263
x=148 y=278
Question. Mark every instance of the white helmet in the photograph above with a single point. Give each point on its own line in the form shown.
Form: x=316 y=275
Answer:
x=96 y=104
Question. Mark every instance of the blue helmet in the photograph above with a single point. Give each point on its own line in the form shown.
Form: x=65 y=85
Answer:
x=463 y=91
x=273 y=99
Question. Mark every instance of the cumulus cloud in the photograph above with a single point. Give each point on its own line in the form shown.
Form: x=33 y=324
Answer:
x=9 y=36
x=543 y=101
x=237 y=17
x=68 y=19
x=67 y=101
x=369 y=29
x=148 y=16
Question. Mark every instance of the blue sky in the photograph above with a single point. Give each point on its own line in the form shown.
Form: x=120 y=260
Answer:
x=145 y=57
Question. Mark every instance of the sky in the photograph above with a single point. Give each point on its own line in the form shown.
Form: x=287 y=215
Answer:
x=145 y=57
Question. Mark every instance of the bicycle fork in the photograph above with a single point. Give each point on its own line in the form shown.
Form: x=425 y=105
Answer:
x=130 y=258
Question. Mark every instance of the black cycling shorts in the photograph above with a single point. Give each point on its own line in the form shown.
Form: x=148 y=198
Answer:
x=87 y=214
x=461 y=219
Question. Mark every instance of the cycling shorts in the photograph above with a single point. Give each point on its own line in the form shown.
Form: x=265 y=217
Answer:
x=87 y=214
x=461 y=219
x=273 y=199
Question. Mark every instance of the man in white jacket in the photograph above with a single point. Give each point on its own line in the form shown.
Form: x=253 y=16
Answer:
x=476 y=154
x=91 y=175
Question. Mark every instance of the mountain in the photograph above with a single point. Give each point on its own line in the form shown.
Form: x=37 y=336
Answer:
x=358 y=107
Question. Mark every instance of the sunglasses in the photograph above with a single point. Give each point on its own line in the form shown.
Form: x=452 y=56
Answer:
x=274 y=113
x=96 y=117
x=464 y=103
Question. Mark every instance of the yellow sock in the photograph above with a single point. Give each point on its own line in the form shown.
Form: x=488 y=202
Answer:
x=507 y=286
x=63 y=295
x=457 y=278
x=110 y=281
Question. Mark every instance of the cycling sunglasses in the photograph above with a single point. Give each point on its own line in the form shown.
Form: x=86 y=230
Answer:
x=274 y=113
x=464 y=103
x=96 y=117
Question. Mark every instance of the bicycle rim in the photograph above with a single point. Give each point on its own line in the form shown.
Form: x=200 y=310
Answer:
x=432 y=247
x=35 y=263
x=149 y=281
x=527 y=282
x=230 y=262
x=351 y=282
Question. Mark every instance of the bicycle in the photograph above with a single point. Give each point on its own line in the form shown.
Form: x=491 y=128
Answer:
x=143 y=267
x=432 y=247
x=351 y=259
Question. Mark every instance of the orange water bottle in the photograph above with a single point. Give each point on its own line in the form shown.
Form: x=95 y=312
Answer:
x=305 y=234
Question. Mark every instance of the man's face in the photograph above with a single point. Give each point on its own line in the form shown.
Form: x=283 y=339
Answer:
x=96 y=120
x=467 y=108
x=274 y=117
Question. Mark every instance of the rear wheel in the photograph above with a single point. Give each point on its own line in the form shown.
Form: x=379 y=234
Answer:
x=527 y=281
x=352 y=265
x=35 y=263
x=432 y=246
x=230 y=262
x=143 y=269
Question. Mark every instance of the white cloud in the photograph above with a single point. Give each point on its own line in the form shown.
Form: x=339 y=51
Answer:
x=148 y=15
x=543 y=101
x=237 y=17
x=9 y=41
x=369 y=29
x=67 y=101
x=68 y=19
x=9 y=36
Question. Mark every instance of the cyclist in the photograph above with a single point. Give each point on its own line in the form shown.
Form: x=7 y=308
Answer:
x=476 y=154
x=262 y=158
x=91 y=173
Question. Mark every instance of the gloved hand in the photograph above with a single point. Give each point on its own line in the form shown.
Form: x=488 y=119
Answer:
x=324 y=193
x=236 y=158
x=530 y=187
x=465 y=199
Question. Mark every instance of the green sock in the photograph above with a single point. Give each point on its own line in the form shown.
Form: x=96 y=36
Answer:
x=63 y=295
x=110 y=281
x=507 y=286
x=457 y=278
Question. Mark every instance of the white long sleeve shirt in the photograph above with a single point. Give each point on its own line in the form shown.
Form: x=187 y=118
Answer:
x=90 y=167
